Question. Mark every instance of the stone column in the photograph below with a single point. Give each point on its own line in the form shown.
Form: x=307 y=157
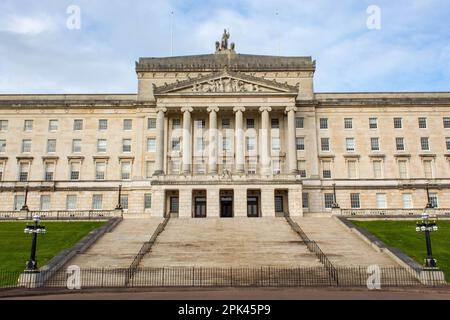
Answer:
x=264 y=141
x=187 y=143
x=291 y=148
x=159 y=161
x=213 y=140
x=239 y=139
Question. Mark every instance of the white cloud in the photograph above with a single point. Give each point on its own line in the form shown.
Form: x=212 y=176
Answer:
x=27 y=25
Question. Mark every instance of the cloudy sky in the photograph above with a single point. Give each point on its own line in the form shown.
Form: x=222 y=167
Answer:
x=40 y=54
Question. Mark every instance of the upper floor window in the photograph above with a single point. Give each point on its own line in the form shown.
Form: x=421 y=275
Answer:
x=350 y=144
x=200 y=144
x=275 y=144
x=251 y=143
x=176 y=123
x=53 y=125
x=3 y=125
x=126 y=145
x=75 y=168
x=375 y=144
x=447 y=143
x=49 y=171
x=323 y=122
x=428 y=169
x=103 y=124
x=422 y=123
x=126 y=170
x=326 y=169
x=348 y=123
x=2 y=146
x=24 y=168
x=377 y=169
x=151 y=145
x=100 y=170
x=397 y=123
x=127 y=124
x=424 y=144
x=151 y=123
x=226 y=144
x=26 y=145
x=102 y=145
x=51 y=145
x=226 y=123
x=299 y=122
x=325 y=144
x=275 y=123
x=77 y=125
x=250 y=123
x=446 y=121
x=399 y=144
x=403 y=169
x=28 y=125
x=300 y=143
x=200 y=124
x=176 y=144
x=373 y=123
x=351 y=169
x=301 y=167
x=76 y=145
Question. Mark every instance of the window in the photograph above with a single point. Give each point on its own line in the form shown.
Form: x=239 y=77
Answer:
x=276 y=166
x=424 y=144
x=102 y=145
x=381 y=200
x=422 y=123
x=428 y=169
x=251 y=166
x=176 y=144
x=250 y=123
x=151 y=123
x=299 y=122
x=348 y=123
x=23 y=171
x=226 y=145
x=323 y=122
x=19 y=201
x=326 y=169
x=49 y=170
x=300 y=143
x=174 y=204
x=151 y=145
x=402 y=169
x=76 y=145
x=446 y=121
x=2 y=146
x=226 y=124
x=2 y=170
x=26 y=145
x=329 y=200
x=97 y=202
x=71 y=202
x=325 y=144
x=351 y=168
x=354 y=201
x=447 y=143
x=397 y=123
x=200 y=124
x=51 y=145
x=3 y=125
x=124 y=201
x=377 y=169
x=251 y=143
x=350 y=144
x=275 y=144
x=53 y=125
x=301 y=167
x=434 y=200
x=100 y=170
x=150 y=168
x=126 y=170
x=279 y=204
x=176 y=123
x=399 y=144
x=28 y=125
x=102 y=124
x=305 y=200
x=375 y=144
x=407 y=200
x=127 y=124
x=45 y=203
x=147 y=201
x=77 y=125
x=200 y=144
x=126 y=145
x=275 y=123
x=75 y=170
x=373 y=123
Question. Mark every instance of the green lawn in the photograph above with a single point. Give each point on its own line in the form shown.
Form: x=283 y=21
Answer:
x=403 y=235
x=15 y=244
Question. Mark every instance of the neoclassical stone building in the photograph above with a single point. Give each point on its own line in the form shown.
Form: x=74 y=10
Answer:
x=224 y=134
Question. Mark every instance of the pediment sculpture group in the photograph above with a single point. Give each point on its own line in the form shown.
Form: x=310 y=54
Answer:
x=226 y=85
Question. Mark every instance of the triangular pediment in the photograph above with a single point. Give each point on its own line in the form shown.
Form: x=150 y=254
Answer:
x=225 y=83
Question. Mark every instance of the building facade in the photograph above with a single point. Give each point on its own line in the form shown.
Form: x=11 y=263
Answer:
x=224 y=135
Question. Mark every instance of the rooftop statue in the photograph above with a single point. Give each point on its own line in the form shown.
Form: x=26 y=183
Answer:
x=223 y=44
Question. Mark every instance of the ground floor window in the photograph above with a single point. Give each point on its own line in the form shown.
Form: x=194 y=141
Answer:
x=278 y=203
x=381 y=201
x=97 y=200
x=19 y=201
x=305 y=200
x=329 y=200
x=71 y=202
x=174 y=204
x=434 y=200
x=45 y=202
x=354 y=200
x=407 y=200
x=147 y=201
x=124 y=201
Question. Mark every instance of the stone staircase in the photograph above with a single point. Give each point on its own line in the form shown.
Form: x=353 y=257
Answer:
x=236 y=242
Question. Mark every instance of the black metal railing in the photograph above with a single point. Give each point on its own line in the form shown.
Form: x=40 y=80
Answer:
x=359 y=276
x=61 y=214
x=314 y=248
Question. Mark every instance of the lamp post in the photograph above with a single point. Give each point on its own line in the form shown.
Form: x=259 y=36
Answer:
x=25 y=207
x=427 y=226
x=335 y=205
x=34 y=229
x=119 y=204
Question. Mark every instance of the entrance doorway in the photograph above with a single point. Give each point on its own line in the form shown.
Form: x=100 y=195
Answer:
x=200 y=207
x=253 y=197
x=226 y=203
x=172 y=202
x=281 y=203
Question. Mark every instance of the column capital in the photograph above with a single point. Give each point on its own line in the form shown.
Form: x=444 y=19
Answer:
x=187 y=109
x=262 y=109
x=291 y=108
x=162 y=109
x=236 y=109
x=212 y=109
